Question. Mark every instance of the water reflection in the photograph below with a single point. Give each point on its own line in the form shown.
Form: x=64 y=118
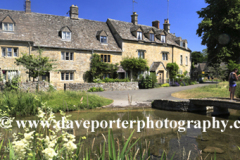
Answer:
x=191 y=142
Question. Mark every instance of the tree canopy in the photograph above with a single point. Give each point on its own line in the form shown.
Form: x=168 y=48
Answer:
x=37 y=65
x=220 y=29
x=199 y=57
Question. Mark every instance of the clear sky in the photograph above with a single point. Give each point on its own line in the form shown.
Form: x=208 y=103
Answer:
x=182 y=13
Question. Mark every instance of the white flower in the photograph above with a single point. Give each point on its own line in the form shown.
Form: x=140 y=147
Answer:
x=19 y=148
x=49 y=153
x=70 y=146
x=28 y=136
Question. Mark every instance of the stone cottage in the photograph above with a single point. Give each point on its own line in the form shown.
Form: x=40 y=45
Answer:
x=71 y=41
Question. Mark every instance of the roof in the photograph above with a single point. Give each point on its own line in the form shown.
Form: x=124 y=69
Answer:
x=124 y=30
x=154 y=66
x=44 y=29
x=202 y=66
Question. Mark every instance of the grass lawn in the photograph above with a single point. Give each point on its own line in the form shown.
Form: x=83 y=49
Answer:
x=22 y=103
x=214 y=90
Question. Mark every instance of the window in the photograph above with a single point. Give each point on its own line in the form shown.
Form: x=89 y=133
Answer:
x=67 y=76
x=186 y=60
x=152 y=37
x=181 y=43
x=139 y=35
x=67 y=56
x=8 y=26
x=180 y=72
x=107 y=75
x=106 y=58
x=181 y=60
x=141 y=54
x=66 y=35
x=163 y=39
x=10 y=52
x=186 y=46
x=103 y=39
x=165 y=56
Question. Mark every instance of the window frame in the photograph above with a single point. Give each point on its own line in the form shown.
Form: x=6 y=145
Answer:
x=12 y=52
x=64 y=56
x=165 y=56
x=186 y=60
x=163 y=38
x=151 y=37
x=181 y=43
x=67 y=76
x=181 y=59
x=64 y=35
x=141 y=54
x=139 y=35
x=8 y=24
x=102 y=39
x=107 y=57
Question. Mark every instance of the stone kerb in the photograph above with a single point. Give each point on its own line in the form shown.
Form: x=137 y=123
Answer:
x=171 y=105
x=116 y=86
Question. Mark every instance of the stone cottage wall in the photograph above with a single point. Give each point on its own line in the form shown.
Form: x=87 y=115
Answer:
x=116 y=86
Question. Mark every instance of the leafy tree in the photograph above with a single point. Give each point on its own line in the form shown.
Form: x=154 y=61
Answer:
x=36 y=65
x=219 y=29
x=134 y=65
x=232 y=64
x=98 y=68
x=172 y=69
x=218 y=71
x=197 y=57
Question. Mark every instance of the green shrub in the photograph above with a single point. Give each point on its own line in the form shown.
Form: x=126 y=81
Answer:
x=237 y=92
x=165 y=85
x=97 y=80
x=157 y=85
x=192 y=83
x=111 y=80
x=154 y=78
x=96 y=89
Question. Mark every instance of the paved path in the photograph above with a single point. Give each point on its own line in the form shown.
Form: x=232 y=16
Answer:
x=145 y=95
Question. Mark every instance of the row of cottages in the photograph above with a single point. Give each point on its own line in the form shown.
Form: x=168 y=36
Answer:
x=71 y=41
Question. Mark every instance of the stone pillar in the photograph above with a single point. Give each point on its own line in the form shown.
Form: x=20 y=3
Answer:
x=220 y=111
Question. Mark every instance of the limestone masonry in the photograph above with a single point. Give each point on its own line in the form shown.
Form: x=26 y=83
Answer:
x=71 y=41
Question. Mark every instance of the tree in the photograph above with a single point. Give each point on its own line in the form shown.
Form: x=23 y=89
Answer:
x=134 y=65
x=197 y=57
x=219 y=29
x=98 y=68
x=218 y=71
x=232 y=65
x=172 y=69
x=36 y=65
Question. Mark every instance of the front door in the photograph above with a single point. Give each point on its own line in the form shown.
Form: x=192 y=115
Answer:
x=161 y=77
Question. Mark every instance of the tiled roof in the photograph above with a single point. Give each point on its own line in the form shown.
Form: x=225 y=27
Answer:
x=154 y=66
x=124 y=30
x=44 y=31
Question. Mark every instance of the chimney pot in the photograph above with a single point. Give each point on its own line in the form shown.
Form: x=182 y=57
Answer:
x=156 y=24
x=134 y=18
x=166 y=25
x=28 y=6
x=74 y=12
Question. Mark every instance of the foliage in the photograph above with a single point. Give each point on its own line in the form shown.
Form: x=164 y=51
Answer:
x=96 y=89
x=145 y=82
x=115 y=80
x=173 y=69
x=232 y=64
x=165 y=85
x=134 y=65
x=237 y=92
x=197 y=57
x=35 y=65
x=218 y=71
x=51 y=88
x=13 y=83
x=98 y=80
x=23 y=103
x=219 y=29
x=99 y=68
x=154 y=78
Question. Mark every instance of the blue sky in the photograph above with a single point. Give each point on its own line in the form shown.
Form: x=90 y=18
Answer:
x=182 y=13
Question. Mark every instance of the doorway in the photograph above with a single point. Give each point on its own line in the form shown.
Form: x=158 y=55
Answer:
x=161 y=77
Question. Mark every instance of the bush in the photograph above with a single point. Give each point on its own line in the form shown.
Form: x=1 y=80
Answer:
x=192 y=83
x=97 y=80
x=111 y=80
x=173 y=69
x=154 y=78
x=237 y=92
x=96 y=89
x=157 y=85
x=165 y=85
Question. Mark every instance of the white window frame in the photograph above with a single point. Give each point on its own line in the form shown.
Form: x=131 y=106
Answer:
x=65 y=75
x=141 y=54
x=70 y=56
x=152 y=37
x=181 y=43
x=186 y=60
x=9 y=52
x=186 y=45
x=164 y=56
x=163 y=38
x=139 y=35
x=66 y=35
x=8 y=27
x=104 y=39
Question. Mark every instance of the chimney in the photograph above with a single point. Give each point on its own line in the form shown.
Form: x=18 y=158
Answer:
x=74 y=12
x=156 y=24
x=28 y=6
x=134 y=18
x=166 y=25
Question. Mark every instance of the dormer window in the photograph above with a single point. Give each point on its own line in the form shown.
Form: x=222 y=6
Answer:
x=163 y=39
x=139 y=35
x=8 y=24
x=186 y=46
x=66 y=35
x=152 y=37
x=103 y=39
x=181 y=43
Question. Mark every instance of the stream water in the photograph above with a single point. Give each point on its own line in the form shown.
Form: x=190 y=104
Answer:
x=169 y=140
